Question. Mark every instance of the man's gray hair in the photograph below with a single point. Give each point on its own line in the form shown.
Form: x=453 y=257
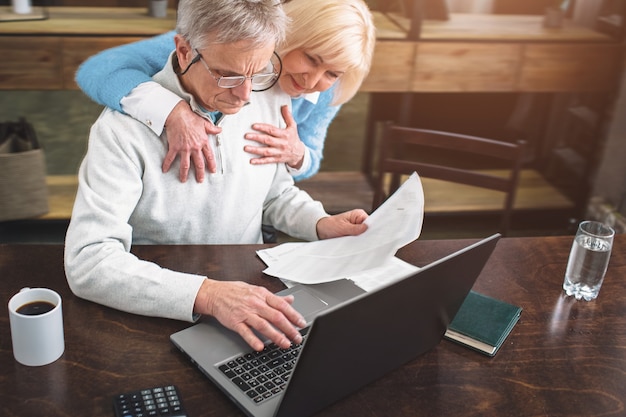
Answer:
x=202 y=22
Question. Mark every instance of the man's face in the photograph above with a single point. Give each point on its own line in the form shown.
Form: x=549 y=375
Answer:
x=226 y=60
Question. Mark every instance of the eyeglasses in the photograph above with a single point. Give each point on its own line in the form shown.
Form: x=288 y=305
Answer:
x=260 y=82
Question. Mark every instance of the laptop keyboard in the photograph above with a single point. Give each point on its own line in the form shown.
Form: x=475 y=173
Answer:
x=262 y=375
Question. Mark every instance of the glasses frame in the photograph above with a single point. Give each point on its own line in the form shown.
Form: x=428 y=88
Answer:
x=242 y=78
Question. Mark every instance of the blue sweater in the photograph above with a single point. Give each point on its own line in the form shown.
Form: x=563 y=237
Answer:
x=110 y=75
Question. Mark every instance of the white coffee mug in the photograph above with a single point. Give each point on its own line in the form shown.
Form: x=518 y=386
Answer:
x=21 y=6
x=36 y=319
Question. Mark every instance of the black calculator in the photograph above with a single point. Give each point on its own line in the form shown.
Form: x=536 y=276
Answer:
x=150 y=402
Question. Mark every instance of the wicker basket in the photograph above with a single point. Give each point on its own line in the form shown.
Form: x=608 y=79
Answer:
x=23 y=189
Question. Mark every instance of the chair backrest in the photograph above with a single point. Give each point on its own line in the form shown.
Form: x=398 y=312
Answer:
x=402 y=151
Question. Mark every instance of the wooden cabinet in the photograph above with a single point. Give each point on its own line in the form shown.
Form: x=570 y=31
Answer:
x=468 y=53
x=44 y=54
x=48 y=63
x=491 y=53
x=583 y=67
x=30 y=61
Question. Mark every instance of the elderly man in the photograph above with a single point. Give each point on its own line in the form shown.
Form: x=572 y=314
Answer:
x=224 y=51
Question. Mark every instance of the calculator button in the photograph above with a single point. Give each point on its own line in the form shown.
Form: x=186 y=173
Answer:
x=153 y=402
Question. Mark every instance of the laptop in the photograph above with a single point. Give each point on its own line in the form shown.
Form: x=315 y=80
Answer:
x=354 y=337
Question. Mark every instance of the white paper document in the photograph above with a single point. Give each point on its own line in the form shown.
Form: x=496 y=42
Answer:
x=393 y=225
x=390 y=271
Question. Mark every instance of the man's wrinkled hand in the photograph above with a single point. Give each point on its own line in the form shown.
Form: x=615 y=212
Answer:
x=243 y=308
x=187 y=137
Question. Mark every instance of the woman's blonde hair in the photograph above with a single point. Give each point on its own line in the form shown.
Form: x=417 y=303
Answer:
x=340 y=31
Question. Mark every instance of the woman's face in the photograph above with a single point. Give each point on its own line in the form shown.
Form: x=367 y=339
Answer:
x=304 y=72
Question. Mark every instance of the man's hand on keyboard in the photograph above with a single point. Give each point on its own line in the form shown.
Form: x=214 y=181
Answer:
x=242 y=307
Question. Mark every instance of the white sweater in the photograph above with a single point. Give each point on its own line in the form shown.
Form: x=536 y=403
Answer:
x=123 y=199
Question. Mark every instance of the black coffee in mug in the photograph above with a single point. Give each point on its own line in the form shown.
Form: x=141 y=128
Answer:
x=35 y=308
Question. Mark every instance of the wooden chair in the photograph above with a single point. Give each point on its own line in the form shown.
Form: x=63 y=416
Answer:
x=448 y=157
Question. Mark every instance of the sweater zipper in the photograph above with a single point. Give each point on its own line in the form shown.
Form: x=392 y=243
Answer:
x=218 y=153
x=219 y=158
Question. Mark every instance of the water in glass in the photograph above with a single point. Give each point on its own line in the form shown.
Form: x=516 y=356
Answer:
x=588 y=261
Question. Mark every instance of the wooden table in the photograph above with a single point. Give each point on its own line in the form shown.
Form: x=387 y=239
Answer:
x=563 y=358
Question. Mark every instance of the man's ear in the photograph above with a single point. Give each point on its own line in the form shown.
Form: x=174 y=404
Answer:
x=183 y=51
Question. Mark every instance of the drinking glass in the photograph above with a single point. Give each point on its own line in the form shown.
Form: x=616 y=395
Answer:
x=588 y=260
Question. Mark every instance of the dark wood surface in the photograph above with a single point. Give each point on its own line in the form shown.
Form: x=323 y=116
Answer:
x=563 y=358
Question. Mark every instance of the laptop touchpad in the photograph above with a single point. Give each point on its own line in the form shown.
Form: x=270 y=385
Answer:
x=307 y=304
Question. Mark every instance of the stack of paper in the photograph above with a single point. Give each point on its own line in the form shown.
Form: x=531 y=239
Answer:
x=368 y=259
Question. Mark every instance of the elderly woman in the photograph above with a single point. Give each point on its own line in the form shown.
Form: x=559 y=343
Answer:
x=326 y=56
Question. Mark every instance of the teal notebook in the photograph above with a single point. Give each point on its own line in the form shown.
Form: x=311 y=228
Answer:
x=483 y=323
